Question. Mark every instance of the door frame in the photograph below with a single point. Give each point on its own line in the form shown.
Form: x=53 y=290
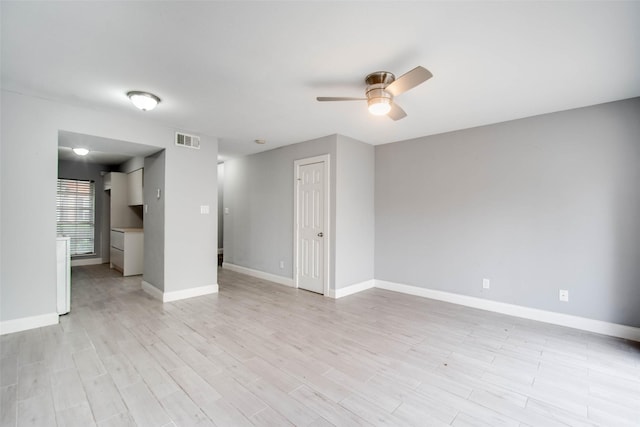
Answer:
x=324 y=158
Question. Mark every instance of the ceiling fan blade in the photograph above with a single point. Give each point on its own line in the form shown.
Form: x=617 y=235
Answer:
x=409 y=80
x=338 y=98
x=396 y=113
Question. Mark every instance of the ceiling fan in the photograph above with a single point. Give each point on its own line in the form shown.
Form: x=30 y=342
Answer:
x=382 y=86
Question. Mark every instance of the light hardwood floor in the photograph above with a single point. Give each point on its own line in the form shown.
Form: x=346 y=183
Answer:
x=263 y=354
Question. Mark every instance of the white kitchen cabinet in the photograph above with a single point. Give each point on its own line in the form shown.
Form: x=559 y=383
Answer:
x=122 y=215
x=106 y=180
x=134 y=188
x=127 y=250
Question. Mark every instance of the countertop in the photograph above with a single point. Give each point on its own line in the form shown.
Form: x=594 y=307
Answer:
x=129 y=230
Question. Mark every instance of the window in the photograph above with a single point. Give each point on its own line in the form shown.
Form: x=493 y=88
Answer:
x=75 y=214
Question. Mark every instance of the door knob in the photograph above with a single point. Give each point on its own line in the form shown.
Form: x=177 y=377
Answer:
x=320 y=234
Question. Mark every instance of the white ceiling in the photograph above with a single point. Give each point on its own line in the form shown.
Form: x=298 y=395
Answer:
x=104 y=151
x=242 y=71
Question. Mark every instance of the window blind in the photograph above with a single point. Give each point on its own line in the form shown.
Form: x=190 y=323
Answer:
x=75 y=214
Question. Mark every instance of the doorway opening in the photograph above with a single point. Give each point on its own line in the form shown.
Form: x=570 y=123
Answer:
x=109 y=219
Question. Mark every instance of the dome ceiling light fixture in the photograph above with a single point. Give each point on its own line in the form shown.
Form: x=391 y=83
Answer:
x=145 y=101
x=81 y=151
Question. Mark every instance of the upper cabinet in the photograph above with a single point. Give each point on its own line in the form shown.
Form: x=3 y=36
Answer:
x=107 y=181
x=122 y=212
x=134 y=188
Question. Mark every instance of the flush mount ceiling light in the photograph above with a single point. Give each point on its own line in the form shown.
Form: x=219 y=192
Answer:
x=260 y=141
x=143 y=100
x=81 y=151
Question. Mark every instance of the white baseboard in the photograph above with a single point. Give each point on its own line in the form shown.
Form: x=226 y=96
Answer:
x=352 y=289
x=286 y=281
x=31 y=322
x=152 y=290
x=178 y=295
x=582 y=323
x=86 y=261
x=190 y=293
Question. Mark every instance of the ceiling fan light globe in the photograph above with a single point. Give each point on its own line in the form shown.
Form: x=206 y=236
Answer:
x=379 y=106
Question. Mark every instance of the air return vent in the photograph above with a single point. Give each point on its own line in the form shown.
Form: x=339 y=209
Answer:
x=185 y=140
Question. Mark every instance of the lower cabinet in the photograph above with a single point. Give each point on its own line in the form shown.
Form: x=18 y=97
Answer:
x=127 y=250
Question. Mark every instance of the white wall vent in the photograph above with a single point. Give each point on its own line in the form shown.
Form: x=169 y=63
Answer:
x=185 y=140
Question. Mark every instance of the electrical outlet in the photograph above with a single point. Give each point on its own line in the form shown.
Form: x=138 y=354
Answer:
x=486 y=284
x=564 y=295
x=281 y=264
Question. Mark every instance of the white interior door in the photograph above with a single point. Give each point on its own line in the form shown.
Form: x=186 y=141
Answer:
x=311 y=226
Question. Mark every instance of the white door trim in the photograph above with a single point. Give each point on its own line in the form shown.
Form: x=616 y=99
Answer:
x=325 y=158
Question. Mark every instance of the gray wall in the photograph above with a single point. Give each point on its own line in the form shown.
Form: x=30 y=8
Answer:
x=27 y=211
x=28 y=216
x=154 y=175
x=91 y=171
x=354 y=236
x=191 y=238
x=535 y=205
x=259 y=191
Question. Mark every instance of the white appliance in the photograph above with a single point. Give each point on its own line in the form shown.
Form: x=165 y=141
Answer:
x=63 y=252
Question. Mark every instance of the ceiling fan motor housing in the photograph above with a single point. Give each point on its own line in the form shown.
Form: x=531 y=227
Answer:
x=376 y=84
x=380 y=77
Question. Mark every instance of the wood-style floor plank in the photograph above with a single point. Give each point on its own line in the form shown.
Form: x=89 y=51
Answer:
x=67 y=389
x=145 y=409
x=261 y=354
x=8 y=406
x=36 y=411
